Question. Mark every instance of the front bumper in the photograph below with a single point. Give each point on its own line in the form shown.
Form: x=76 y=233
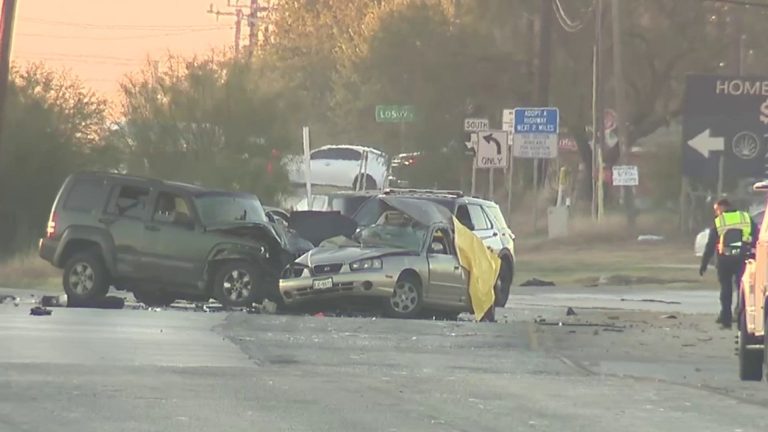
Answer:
x=354 y=284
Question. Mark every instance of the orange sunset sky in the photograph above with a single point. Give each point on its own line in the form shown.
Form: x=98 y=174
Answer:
x=101 y=41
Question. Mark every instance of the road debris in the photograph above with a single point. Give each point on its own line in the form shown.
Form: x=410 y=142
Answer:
x=668 y=316
x=537 y=282
x=649 y=237
x=570 y=312
x=651 y=301
x=566 y=324
x=54 y=301
x=40 y=311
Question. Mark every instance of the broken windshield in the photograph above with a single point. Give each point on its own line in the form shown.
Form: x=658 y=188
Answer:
x=409 y=237
x=227 y=209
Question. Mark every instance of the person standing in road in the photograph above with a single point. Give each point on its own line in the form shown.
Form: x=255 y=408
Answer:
x=733 y=238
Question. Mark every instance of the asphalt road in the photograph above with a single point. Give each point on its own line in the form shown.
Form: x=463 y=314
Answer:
x=612 y=367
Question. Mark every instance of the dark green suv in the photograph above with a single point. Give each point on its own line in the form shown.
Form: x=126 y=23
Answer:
x=162 y=241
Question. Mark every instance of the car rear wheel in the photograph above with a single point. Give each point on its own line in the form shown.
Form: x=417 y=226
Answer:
x=503 y=283
x=407 y=299
x=750 y=360
x=370 y=183
x=85 y=278
x=237 y=284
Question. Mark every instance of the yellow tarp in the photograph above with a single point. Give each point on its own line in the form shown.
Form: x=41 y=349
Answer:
x=483 y=267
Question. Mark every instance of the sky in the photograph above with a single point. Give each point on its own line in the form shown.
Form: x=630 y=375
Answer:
x=101 y=41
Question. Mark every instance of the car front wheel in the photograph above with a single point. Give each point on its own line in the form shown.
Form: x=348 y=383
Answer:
x=503 y=283
x=236 y=284
x=750 y=360
x=407 y=299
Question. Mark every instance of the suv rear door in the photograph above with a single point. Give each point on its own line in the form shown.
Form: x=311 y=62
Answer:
x=124 y=217
x=175 y=251
x=480 y=223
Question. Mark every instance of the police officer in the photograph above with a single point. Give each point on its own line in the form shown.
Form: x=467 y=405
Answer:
x=732 y=237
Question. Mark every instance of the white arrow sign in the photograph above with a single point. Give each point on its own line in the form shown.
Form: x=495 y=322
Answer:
x=705 y=143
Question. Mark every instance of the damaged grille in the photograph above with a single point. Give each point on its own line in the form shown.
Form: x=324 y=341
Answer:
x=293 y=271
x=326 y=269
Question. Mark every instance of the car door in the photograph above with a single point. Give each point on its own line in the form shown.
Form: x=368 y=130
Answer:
x=176 y=248
x=447 y=279
x=124 y=218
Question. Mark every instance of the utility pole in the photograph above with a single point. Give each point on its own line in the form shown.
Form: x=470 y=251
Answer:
x=543 y=71
x=238 y=14
x=622 y=121
x=7 y=14
x=253 y=25
x=597 y=113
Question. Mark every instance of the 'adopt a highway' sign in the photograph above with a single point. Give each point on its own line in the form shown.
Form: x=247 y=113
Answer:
x=491 y=149
x=536 y=132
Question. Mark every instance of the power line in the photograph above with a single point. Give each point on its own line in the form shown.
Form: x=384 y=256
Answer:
x=739 y=3
x=131 y=37
x=117 y=26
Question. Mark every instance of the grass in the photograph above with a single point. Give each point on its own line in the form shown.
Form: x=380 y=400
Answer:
x=608 y=253
x=27 y=270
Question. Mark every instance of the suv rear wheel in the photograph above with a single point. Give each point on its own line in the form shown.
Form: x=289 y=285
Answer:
x=85 y=278
x=236 y=284
x=503 y=283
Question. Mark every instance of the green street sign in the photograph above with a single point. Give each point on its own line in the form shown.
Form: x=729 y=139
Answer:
x=395 y=113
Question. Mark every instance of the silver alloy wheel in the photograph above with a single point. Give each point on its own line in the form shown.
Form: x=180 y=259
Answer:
x=237 y=285
x=405 y=297
x=81 y=278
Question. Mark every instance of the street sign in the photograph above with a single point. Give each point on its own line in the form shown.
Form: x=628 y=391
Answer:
x=536 y=132
x=475 y=124
x=725 y=116
x=395 y=113
x=625 y=175
x=491 y=149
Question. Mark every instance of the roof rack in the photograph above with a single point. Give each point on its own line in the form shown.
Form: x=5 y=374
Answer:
x=393 y=191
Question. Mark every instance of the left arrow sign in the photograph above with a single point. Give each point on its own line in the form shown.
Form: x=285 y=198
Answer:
x=705 y=143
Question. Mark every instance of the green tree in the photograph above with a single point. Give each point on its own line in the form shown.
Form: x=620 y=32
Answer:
x=209 y=120
x=53 y=127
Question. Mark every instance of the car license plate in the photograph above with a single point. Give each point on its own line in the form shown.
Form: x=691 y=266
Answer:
x=322 y=283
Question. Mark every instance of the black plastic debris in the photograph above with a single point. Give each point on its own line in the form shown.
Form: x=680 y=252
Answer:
x=537 y=282
x=40 y=311
x=669 y=316
x=570 y=312
x=53 y=301
x=108 y=302
x=652 y=301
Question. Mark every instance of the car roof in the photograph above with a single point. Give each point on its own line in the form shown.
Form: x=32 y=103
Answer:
x=353 y=147
x=173 y=186
x=438 y=194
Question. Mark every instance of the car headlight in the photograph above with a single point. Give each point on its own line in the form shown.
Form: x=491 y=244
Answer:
x=366 y=264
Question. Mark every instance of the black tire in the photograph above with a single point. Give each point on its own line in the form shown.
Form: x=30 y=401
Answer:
x=407 y=298
x=370 y=183
x=503 y=283
x=238 y=284
x=750 y=361
x=85 y=278
x=153 y=298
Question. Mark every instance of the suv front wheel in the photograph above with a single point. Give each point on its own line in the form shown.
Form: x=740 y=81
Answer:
x=236 y=284
x=85 y=278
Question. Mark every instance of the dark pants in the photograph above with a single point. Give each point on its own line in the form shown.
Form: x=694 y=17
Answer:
x=729 y=271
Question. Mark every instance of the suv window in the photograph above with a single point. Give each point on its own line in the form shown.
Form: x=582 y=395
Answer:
x=495 y=214
x=129 y=201
x=478 y=217
x=336 y=154
x=85 y=195
x=172 y=208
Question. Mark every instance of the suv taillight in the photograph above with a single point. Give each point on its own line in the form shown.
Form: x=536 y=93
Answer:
x=50 y=231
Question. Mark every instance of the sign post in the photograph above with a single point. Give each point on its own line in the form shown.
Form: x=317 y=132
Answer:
x=725 y=130
x=401 y=114
x=472 y=126
x=535 y=136
x=307 y=166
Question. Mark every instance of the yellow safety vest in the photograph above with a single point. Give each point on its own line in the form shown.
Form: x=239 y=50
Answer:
x=733 y=220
